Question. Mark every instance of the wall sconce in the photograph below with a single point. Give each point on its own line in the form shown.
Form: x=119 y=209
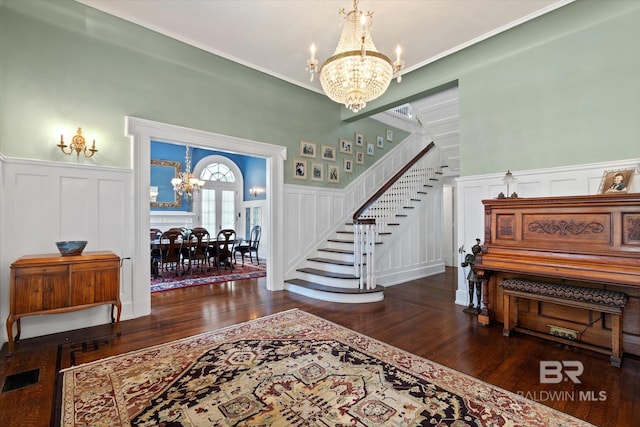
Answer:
x=78 y=145
x=153 y=193
x=508 y=179
x=254 y=191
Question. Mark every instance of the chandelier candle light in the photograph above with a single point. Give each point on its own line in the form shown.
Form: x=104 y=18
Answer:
x=186 y=183
x=357 y=72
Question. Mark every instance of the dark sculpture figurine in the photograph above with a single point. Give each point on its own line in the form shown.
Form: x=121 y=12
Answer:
x=474 y=282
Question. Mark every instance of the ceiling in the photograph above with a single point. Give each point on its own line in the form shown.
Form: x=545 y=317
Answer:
x=274 y=36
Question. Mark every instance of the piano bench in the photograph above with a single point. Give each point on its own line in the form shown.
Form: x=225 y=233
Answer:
x=599 y=300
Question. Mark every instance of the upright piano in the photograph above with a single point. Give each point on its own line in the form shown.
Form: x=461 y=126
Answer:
x=591 y=241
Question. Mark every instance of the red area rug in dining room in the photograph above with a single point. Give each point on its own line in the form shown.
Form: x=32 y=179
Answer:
x=240 y=272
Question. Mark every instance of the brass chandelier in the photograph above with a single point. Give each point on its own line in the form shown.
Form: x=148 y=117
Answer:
x=357 y=72
x=186 y=183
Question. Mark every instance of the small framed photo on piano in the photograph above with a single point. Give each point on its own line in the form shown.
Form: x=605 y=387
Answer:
x=616 y=181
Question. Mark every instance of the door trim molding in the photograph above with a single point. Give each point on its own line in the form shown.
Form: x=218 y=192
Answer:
x=141 y=132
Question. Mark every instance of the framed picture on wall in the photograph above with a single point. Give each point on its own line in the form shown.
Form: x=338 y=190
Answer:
x=307 y=149
x=346 y=146
x=333 y=175
x=317 y=172
x=369 y=148
x=299 y=168
x=348 y=165
x=359 y=139
x=360 y=157
x=616 y=181
x=389 y=135
x=328 y=153
x=379 y=141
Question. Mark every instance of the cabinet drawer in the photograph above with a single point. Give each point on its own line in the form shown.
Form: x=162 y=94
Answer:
x=41 y=270
x=96 y=265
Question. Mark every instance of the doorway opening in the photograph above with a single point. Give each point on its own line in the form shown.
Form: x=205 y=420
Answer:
x=142 y=131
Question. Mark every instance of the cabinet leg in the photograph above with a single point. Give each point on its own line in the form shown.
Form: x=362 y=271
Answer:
x=116 y=319
x=10 y=335
x=19 y=327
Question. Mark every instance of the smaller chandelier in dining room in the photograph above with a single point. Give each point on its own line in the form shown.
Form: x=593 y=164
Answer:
x=357 y=72
x=186 y=183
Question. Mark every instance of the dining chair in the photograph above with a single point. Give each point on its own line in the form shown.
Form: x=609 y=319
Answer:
x=170 y=246
x=198 y=248
x=224 y=248
x=249 y=247
x=154 y=234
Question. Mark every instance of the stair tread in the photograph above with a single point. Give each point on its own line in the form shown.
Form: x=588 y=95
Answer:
x=325 y=273
x=350 y=241
x=331 y=261
x=338 y=251
x=335 y=289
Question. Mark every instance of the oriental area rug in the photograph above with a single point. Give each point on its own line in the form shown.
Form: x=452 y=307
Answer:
x=287 y=369
x=197 y=278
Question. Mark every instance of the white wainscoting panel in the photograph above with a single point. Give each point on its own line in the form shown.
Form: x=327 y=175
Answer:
x=415 y=249
x=565 y=181
x=44 y=202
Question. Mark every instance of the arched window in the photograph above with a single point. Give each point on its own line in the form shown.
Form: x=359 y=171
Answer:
x=221 y=193
x=217 y=172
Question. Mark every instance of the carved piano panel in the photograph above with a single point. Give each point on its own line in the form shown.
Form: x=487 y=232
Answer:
x=591 y=241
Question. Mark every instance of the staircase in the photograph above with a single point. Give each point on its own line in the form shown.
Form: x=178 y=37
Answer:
x=343 y=268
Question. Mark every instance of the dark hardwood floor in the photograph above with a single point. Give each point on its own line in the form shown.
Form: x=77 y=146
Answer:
x=419 y=316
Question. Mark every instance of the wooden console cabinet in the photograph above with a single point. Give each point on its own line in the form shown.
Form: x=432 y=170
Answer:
x=46 y=284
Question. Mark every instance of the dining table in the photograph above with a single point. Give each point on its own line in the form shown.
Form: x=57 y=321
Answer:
x=156 y=246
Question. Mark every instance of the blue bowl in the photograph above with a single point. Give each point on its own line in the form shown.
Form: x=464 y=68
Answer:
x=71 y=247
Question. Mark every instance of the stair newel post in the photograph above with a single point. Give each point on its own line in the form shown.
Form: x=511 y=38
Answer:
x=364 y=244
x=357 y=251
x=371 y=244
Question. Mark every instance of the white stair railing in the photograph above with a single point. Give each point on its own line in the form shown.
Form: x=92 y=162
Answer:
x=384 y=207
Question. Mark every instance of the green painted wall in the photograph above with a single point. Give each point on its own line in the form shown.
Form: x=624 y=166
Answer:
x=560 y=90
x=64 y=65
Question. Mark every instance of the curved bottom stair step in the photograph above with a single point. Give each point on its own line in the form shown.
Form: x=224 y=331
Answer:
x=333 y=293
x=335 y=289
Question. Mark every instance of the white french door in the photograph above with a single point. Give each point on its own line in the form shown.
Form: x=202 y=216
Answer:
x=218 y=208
